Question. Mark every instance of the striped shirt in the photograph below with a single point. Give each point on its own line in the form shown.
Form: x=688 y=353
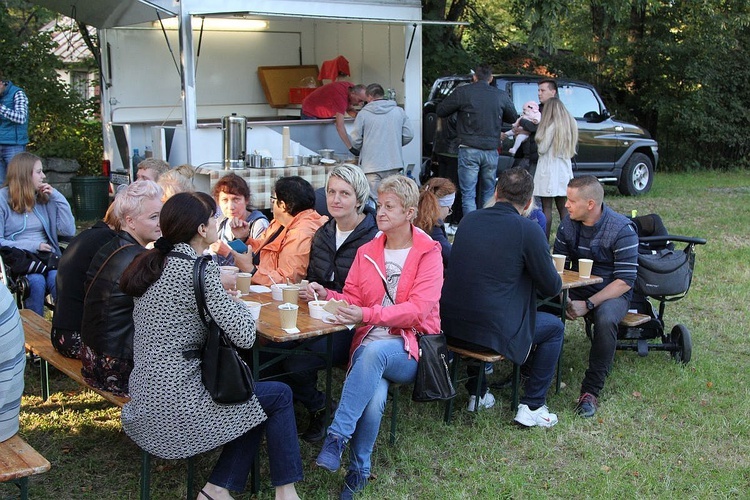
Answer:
x=612 y=243
x=12 y=363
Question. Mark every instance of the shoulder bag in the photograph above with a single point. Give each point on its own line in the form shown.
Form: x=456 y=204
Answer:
x=225 y=375
x=433 y=380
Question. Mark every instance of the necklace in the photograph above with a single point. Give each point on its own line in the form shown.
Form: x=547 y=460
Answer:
x=408 y=244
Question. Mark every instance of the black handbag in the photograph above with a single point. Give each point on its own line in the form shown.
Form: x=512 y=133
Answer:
x=433 y=381
x=225 y=375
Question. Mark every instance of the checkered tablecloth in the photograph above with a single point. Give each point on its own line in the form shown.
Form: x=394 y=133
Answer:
x=261 y=180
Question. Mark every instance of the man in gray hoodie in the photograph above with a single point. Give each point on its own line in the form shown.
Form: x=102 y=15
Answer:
x=380 y=131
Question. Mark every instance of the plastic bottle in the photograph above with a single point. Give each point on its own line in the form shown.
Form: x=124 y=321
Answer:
x=136 y=159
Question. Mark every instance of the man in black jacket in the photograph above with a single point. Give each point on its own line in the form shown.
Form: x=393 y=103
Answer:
x=485 y=307
x=482 y=108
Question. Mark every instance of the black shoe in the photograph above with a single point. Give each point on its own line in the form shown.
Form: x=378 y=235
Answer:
x=316 y=429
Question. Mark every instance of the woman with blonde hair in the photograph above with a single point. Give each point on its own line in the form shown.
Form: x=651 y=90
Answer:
x=391 y=293
x=436 y=199
x=32 y=215
x=556 y=138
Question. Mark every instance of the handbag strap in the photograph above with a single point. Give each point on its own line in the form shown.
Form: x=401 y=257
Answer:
x=199 y=272
x=104 y=264
x=256 y=255
x=385 y=286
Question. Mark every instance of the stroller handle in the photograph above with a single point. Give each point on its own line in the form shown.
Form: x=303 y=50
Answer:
x=670 y=237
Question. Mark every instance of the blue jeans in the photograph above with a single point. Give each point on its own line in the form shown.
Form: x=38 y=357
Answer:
x=284 y=461
x=7 y=152
x=39 y=286
x=546 y=346
x=476 y=166
x=374 y=367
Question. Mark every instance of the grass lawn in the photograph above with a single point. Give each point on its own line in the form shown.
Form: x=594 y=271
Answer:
x=663 y=430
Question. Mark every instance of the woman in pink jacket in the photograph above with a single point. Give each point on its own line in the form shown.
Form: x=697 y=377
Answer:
x=393 y=290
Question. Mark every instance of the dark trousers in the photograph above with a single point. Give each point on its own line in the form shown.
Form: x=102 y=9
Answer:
x=605 y=319
x=233 y=467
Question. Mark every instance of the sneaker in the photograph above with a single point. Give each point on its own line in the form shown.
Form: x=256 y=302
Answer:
x=486 y=401
x=541 y=417
x=488 y=369
x=330 y=455
x=354 y=482
x=587 y=405
x=316 y=428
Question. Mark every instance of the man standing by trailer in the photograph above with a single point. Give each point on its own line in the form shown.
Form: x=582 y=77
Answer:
x=14 y=122
x=482 y=108
x=334 y=100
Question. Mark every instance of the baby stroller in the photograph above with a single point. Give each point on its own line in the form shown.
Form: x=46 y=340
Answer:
x=664 y=275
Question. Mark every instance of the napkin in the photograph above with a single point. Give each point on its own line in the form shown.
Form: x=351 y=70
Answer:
x=291 y=330
x=259 y=288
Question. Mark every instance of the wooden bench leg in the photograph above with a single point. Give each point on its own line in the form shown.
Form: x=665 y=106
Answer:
x=145 y=475
x=449 y=403
x=516 y=384
x=394 y=414
x=559 y=368
x=190 y=477
x=44 y=374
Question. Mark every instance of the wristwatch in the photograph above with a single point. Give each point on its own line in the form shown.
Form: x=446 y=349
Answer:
x=590 y=305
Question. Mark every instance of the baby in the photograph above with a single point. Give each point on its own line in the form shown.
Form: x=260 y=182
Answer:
x=531 y=113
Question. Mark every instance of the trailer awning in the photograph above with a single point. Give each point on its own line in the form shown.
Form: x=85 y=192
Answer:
x=111 y=13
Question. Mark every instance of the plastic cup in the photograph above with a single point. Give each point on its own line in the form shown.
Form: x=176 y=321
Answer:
x=316 y=308
x=288 y=315
x=244 y=280
x=229 y=276
x=584 y=268
x=254 y=308
x=290 y=294
x=559 y=262
x=276 y=292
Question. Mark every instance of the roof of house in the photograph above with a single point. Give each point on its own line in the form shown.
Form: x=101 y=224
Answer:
x=69 y=45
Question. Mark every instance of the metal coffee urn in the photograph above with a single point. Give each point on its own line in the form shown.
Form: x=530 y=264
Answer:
x=234 y=133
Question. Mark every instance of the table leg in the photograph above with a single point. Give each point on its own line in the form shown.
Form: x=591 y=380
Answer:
x=255 y=471
x=563 y=306
x=329 y=377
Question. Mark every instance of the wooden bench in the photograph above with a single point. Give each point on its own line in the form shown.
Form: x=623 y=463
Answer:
x=18 y=461
x=635 y=319
x=483 y=357
x=37 y=341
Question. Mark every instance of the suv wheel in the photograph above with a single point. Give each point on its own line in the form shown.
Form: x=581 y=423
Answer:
x=637 y=175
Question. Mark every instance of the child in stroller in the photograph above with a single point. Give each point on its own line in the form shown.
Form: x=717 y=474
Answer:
x=664 y=275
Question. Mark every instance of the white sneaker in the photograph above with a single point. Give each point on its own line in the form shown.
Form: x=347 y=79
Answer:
x=541 y=417
x=451 y=229
x=486 y=401
x=488 y=369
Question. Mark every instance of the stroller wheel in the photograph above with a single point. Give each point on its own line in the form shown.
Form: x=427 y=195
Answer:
x=683 y=344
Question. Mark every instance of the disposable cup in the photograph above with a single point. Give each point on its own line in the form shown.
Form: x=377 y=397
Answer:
x=559 y=262
x=584 y=268
x=288 y=315
x=244 y=280
x=276 y=292
x=316 y=308
x=229 y=277
x=254 y=308
x=290 y=294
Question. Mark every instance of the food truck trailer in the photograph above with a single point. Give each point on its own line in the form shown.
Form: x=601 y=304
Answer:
x=173 y=71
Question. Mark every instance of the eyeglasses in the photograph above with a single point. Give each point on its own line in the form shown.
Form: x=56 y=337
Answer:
x=450 y=210
x=273 y=199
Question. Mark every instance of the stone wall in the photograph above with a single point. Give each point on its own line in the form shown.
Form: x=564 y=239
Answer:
x=59 y=172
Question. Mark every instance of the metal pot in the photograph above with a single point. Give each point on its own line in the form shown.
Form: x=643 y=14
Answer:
x=314 y=160
x=234 y=135
x=255 y=161
x=326 y=153
x=267 y=162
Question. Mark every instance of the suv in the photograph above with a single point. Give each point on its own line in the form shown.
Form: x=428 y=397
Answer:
x=615 y=152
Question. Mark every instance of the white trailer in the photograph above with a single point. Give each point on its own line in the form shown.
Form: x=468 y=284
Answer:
x=172 y=69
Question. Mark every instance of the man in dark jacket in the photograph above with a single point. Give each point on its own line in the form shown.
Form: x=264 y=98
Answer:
x=485 y=307
x=482 y=108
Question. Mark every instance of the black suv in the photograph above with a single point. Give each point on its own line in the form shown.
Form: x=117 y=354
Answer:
x=616 y=152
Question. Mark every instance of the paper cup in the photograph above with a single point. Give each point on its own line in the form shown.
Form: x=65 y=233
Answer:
x=559 y=262
x=244 y=280
x=254 y=308
x=276 y=292
x=290 y=294
x=288 y=315
x=316 y=308
x=584 y=268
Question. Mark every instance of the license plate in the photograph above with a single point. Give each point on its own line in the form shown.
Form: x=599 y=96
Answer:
x=119 y=179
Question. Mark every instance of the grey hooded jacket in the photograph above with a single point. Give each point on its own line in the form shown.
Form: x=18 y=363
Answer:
x=380 y=131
